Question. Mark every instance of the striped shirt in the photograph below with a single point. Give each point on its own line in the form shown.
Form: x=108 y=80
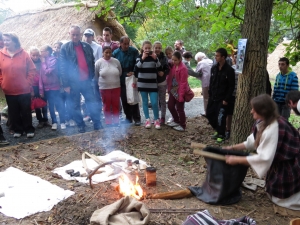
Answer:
x=147 y=73
x=284 y=83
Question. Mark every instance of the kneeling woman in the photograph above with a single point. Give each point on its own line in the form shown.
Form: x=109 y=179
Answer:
x=277 y=144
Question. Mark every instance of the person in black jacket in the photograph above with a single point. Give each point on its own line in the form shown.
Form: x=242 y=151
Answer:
x=77 y=71
x=221 y=87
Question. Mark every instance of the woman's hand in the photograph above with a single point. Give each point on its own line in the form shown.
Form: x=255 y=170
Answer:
x=145 y=55
x=129 y=74
x=154 y=56
x=160 y=73
x=232 y=160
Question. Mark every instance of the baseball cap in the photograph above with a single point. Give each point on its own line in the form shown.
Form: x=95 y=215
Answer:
x=89 y=32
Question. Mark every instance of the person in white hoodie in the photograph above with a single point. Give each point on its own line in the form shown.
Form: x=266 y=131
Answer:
x=204 y=65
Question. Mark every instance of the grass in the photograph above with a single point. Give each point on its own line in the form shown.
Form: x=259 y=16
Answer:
x=194 y=82
x=295 y=120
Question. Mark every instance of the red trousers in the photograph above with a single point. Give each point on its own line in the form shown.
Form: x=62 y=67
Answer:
x=111 y=105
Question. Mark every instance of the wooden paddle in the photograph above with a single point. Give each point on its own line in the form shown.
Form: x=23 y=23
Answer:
x=198 y=151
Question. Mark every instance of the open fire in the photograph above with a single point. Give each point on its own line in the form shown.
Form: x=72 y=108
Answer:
x=127 y=188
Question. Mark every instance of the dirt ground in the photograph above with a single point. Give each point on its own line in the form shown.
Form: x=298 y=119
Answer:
x=161 y=149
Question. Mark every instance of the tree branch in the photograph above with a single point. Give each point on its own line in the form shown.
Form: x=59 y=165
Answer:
x=293 y=4
x=132 y=10
x=233 y=12
x=220 y=7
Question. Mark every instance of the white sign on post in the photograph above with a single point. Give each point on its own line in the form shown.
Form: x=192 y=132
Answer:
x=241 y=55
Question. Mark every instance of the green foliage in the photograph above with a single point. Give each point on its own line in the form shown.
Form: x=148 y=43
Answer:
x=203 y=27
x=295 y=120
x=194 y=82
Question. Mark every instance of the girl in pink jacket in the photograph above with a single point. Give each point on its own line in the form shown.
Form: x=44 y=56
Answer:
x=177 y=82
x=49 y=85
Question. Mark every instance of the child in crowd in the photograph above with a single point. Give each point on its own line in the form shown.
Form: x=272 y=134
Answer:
x=161 y=79
x=49 y=86
x=56 y=49
x=66 y=98
x=147 y=67
x=108 y=71
x=177 y=81
x=41 y=114
x=169 y=52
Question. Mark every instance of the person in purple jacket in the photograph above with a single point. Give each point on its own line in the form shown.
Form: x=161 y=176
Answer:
x=49 y=85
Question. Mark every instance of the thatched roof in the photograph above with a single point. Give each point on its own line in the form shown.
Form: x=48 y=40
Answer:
x=273 y=58
x=49 y=25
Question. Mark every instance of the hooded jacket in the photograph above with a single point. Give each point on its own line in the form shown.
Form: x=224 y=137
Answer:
x=49 y=79
x=181 y=75
x=16 y=72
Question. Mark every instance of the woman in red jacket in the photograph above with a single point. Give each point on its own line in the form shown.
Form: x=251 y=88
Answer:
x=16 y=77
x=177 y=82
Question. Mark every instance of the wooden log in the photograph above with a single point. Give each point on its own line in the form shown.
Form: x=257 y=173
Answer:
x=209 y=154
x=172 y=195
x=198 y=145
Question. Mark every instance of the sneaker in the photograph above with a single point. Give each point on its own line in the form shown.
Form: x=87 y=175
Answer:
x=178 y=128
x=148 y=124
x=220 y=140
x=162 y=121
x=81 y=129
x=72 y=123
x=54 y=126
x=3 y=141
x=157 y=125
x=215 y=136
x=30 y=135
x=40 y=125
x=87 y=118
x=173 y=124
x=63 y=126
x=227 y=135
x=47 y=124
x=170 y=120
x=137 y=123
x=17 y=135
x=98 y=126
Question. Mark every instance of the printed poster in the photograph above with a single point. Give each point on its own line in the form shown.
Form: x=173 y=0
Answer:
x=241 y=55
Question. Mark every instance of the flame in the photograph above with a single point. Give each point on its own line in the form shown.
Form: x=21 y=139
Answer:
x=127 y=188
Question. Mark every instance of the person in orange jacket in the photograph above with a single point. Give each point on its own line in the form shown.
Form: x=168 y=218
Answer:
x=16 y=76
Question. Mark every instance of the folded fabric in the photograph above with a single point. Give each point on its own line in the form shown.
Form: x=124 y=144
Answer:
x=126 y=211
x=204 y=218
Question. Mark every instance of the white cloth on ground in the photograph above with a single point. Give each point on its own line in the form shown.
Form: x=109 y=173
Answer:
x=108 y=172
x=25 y=194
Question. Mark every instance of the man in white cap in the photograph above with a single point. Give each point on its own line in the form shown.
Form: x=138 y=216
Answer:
x=88 y=36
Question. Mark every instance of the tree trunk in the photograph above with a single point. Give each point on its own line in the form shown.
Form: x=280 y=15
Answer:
x=252 y=81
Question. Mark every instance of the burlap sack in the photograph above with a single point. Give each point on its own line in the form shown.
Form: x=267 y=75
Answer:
x=126 y=211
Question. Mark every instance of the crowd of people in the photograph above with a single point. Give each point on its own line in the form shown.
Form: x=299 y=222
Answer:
x=81 y=78
x=81 y=70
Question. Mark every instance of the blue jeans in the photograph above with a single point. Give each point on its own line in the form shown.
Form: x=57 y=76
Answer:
x=154 y=103
x=85 y=88
x=67 y=105
x=54 y=100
